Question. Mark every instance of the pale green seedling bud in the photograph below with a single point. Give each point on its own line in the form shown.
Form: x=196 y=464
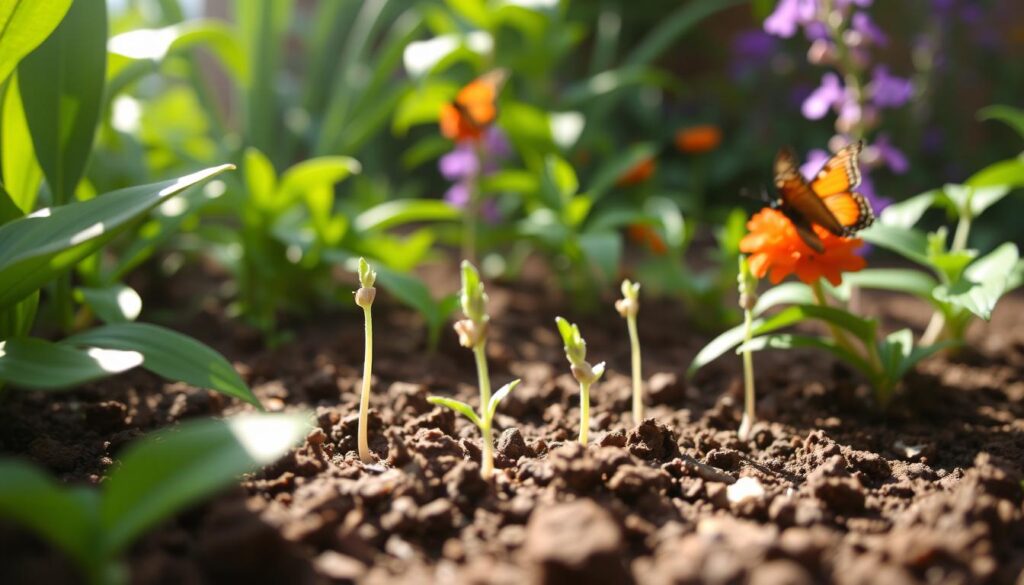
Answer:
x=366 y=293
x=747 y=285
x=585 y=374
x=629 y=304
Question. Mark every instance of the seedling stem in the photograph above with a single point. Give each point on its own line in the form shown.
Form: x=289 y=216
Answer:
x=364 y=298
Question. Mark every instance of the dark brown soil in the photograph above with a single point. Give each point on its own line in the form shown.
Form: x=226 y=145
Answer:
x=928 y=492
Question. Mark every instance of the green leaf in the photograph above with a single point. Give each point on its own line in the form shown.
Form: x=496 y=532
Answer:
x=177 y=467
x=9 y=210
x=909 y=243
x=906 y=214
x=314 y=172
x=790 y=341
x=403 y=211
x=155 y=45
x=263 y=27
x=66 y=518
x=113 y=304
x=421 y=105
x=36 y=248
x=40 y=364
x=976 y=199
x=21 y=172
x=903 y=280
x=560 y=178
x=17 y=320
x=64 y=77
x=170 y=354
x=983 y=282
x=460 y=407
x=24 y=25
x=261 y=181
x=498 y=396
x=787 y=293
x=1006 y=172
x=1009 y=115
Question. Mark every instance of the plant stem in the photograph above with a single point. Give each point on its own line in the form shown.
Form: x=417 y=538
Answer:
x=584 y=413
x=364 y=397
x=749 y=396
x=484 y=381
x=963 y=229
x=838 y=334
x=638 y=391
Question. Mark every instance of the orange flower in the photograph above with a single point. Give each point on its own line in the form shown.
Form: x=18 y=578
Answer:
x=777 y=251
x=698 y=139
x=646 y=235
x=638 y=174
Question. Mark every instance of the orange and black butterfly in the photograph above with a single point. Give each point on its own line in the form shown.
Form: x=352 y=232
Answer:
x=474 y=108
x=828 y=200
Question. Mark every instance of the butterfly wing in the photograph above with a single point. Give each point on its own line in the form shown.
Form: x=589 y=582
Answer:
x=851 y=210
x=841 y=174
x=478 y=101
x=799 y=200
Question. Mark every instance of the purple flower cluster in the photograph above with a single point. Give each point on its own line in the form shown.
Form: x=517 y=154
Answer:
x=841 y=33
x=463 y=166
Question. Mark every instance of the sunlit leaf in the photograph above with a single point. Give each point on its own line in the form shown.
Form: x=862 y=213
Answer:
x=113 y=304
x=24 y=25
x=44 y=365
x=983 y=282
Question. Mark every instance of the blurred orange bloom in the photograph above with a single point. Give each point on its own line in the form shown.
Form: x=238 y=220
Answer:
x=638 y=174
x=777 y=250
x=698 y=139
x=648 y=236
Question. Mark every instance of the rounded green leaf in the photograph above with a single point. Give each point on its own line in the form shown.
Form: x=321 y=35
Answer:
x=26 y=24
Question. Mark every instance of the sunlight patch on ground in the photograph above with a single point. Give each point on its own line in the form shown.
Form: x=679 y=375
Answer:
x=265 y=437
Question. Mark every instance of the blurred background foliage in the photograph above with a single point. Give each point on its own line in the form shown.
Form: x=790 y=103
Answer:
x=633 y=129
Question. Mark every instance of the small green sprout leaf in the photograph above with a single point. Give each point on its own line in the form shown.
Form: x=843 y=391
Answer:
x=473 y=297
x=492 y=406
x=367 y=276
x=460 y=407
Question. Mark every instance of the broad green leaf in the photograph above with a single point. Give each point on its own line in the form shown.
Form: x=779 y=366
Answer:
x=1009 y=115
x=315 y=172
x=65 y=77
x=790 y=341
x=510 y=181
x=498 y=396
x=156 y=45
x=1006 y=172
x=35 y=249
x=263 y=28
x=21 y=172
x=421 y=105
x=560 y=177
x=9 y=210
x=975 y=199
x=905 y=280
x=907 y=242
x=893 y=350
x=40 y=364
x=173 y=468
x=17 y=320
x=983 y=282
x=460 y=407
x=24 y=24
x=906 y=214
x=170 y=354
x=403 y=211
x=66 y=518
x=787 y=293
x=113 y=304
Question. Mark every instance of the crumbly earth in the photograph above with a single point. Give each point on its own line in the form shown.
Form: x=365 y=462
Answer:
x=826 y=490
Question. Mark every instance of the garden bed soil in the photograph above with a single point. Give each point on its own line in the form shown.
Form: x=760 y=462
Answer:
x=826 y=490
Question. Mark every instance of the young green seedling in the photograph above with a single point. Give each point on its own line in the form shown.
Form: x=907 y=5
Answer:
x=585 y=374
x=628 y=306
x=473 y=334
x=748 y=298
x=364 y=298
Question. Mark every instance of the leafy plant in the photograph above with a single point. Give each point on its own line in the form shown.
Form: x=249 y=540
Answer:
x=585 y=374
x=158 y=476
x=472 y=333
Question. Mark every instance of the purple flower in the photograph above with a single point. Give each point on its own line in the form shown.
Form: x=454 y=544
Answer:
x=829 y=94
x=460 y=163
x=490 y=211
x=815 y=160
x=753 y=45
x=496 y=145
x=457 y=195
x=789 y=15
x=863 y=24
x=844 y=4
x=889 y=91
x=890 y=155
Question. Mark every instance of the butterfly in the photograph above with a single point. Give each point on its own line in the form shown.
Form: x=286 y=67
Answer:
x=828 y=200
x=474 y=108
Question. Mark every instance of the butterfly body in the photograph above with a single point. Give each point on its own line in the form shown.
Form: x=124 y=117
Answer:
x=828 y=200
